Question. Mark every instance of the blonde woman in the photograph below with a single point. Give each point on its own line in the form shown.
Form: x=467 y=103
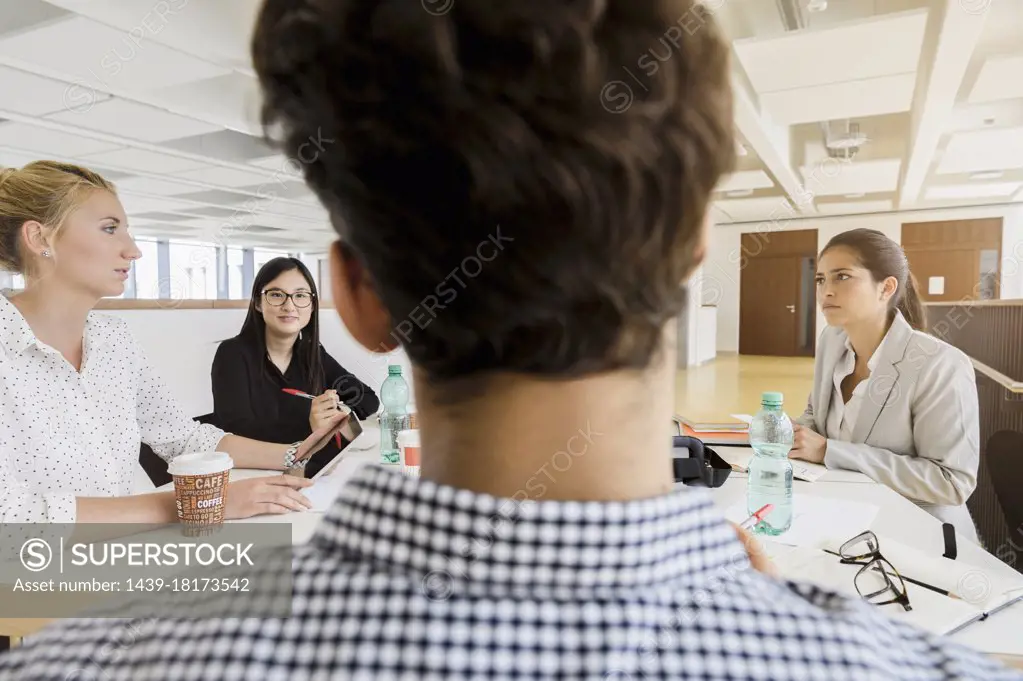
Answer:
x=77 y=394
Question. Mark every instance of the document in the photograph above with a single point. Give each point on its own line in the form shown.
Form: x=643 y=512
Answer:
x=325 y=488
x=817 y=522
x=739 y=457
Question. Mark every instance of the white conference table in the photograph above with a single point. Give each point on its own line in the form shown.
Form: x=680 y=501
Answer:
x=897 y=518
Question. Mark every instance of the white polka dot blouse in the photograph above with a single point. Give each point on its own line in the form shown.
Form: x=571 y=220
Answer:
x=65 y=433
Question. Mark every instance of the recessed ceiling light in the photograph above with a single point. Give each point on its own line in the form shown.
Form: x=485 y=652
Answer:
x=739 y=193
x=816 y=5
x=987 y=175
x=857 y=195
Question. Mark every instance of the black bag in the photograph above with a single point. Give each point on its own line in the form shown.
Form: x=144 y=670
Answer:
x=697 y=464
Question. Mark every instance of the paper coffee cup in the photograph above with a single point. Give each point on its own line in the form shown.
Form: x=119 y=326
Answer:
x=408 y=452
x=200 y=487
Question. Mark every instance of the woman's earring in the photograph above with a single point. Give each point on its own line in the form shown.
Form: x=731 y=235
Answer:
x=46 y=254
x=300 y=335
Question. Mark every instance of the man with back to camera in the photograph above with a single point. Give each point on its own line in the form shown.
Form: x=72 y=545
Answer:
x=483 y=149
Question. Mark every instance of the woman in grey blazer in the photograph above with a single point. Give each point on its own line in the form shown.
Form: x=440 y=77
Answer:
x=889 y=400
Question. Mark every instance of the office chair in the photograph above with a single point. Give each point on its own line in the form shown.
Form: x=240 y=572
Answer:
x=1005 y=463
x=154 y=466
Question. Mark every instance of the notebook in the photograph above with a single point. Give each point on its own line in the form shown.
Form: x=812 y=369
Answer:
x=980 y=593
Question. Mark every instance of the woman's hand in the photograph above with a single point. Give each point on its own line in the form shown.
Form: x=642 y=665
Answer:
x=322 y=434
x=322 y=409
x=258 y=496
x=758 y=558
x=808 y=445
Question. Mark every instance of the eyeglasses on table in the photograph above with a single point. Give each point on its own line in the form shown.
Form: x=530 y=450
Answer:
x=877 y=581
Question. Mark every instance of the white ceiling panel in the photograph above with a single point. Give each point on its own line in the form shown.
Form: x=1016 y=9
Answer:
x=973 y=190
x=229 y=177
x=134 y=204
x=846 y=207
x=1000 y=78
x=144 y=161
x=866 y=177
x=35 y=95
x=969 y=152
x=150 y=185
x=880 y=46
x=851 y=99
x=231 y=100
x=58 y=145
x=745 y=179
x=99 y=56
x=763 y=208
x=134 y=121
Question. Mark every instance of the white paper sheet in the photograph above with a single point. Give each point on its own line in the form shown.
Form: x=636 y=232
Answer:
x=817 y=522
x=326 y=488
x=739 y=457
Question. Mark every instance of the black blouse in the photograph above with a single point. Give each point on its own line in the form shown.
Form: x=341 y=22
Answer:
x=248 y=399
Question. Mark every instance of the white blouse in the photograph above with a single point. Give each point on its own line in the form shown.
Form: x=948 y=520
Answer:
x=65 y=434
x=842 y=415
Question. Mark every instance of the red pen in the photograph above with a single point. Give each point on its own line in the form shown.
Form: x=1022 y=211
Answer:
x=748 y=523
x=299 y=393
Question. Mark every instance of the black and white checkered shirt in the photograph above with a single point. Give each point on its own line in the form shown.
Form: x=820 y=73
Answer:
x=406 y=579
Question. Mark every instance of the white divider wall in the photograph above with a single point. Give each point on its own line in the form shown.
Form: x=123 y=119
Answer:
x=181 y=345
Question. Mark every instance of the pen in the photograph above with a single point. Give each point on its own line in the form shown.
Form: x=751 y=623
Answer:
x=748 y=523
x=299 y=393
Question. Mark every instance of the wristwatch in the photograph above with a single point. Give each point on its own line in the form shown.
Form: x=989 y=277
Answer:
x=289 y=457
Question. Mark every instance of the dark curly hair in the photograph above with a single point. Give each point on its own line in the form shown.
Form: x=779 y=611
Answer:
x=517 y=209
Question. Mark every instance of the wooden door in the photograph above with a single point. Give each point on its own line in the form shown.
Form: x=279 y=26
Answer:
x=769 y=306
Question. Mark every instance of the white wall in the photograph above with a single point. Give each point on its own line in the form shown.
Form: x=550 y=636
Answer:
x=181 y=345
x=721 y=271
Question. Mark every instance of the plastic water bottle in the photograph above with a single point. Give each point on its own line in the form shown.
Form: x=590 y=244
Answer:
x=394 y=418
x=770 y=471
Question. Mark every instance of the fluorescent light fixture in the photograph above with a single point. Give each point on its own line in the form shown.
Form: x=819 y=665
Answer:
x=739 y=192
x=987 y=175
x=856 y=195
x=974 y=191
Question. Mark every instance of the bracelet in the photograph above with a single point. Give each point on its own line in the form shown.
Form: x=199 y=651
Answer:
x=289 y=457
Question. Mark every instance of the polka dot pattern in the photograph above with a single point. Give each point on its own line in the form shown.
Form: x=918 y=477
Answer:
x=68 y=433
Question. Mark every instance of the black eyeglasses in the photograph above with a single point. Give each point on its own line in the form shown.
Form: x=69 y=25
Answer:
x=878 y=581
x=276 y=297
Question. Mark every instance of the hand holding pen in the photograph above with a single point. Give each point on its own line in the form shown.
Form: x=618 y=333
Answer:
x=754 y=550
x=323 y=408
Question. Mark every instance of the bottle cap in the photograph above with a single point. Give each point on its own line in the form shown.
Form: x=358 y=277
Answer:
x=394 y=370
x=772 y=399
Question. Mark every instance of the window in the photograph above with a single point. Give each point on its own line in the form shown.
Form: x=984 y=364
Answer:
x=235 y=274
x=193 y=271
x=147 y=270
x=261 y=257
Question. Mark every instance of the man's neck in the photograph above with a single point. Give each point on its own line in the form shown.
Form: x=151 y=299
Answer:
x=600 y=438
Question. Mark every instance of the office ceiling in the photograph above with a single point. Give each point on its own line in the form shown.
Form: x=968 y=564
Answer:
x=160 y=97
x=921 y=100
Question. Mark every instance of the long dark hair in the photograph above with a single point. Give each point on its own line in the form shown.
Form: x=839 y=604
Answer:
x=307 y=347
x=885 y=258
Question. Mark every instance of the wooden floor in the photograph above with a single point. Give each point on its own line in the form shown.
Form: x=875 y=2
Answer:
x=732 y=384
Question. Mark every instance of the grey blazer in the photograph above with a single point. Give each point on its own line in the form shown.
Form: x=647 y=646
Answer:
x=918 y=428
